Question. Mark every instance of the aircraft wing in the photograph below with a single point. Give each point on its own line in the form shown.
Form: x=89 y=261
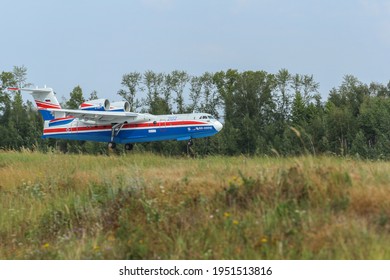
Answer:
x=95 y=117
x=46 y=101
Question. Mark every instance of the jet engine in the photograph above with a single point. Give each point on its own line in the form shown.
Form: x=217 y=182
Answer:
x=96 y=105
x=120 y=106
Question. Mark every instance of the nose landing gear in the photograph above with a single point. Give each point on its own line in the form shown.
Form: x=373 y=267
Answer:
x=129 y=147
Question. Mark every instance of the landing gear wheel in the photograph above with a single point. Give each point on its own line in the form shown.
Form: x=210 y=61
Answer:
x=112 y=145
x=190 y=152
x=129 y=147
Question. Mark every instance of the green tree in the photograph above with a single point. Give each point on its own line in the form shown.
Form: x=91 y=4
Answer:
x=298 y=110
x=211 y=99
x=7 y=80
x=154 y=83
x=283 y=95
x=20 y=74
x=359 y=145
x=339 y=121
x=195 y=94
x=177 y=81
x=374 y=123
x=131 y=83
x=7 y=133
x=93 y=95
x=226 y=84
x=17 y=121
x=76 y=98
x=342 y=112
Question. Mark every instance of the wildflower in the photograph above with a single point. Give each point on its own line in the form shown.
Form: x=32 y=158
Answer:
x=46 y=245
x=300 y=212
x=235 y=181
x=235 y=222
x=226 y=214
x=234 y=178
x=261 y=242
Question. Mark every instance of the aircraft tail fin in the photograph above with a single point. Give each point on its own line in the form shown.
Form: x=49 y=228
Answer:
x=45 y=100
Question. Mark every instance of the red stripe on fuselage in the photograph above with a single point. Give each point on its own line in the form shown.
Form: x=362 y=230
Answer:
x=160 y=124
x=138 y=125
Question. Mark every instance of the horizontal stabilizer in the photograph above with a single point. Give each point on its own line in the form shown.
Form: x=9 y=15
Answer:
x=47 y=90
x=44 y=98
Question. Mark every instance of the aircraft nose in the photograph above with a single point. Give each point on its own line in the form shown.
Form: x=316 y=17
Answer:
x=218 y=126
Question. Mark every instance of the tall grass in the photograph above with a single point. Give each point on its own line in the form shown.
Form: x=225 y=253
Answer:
x=143 y=206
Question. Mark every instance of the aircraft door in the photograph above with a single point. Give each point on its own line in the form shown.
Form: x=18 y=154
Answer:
x=74 y=126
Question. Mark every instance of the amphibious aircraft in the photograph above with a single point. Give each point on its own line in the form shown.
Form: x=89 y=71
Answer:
x=101 y=121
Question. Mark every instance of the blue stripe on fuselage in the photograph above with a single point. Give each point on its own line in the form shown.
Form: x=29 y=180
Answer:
x=132 y=135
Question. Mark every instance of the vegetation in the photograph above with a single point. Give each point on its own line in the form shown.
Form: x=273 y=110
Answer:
x=287 y=177
x=144 y=206
x=263 y=113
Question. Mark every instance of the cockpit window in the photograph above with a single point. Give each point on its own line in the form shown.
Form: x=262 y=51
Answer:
x=206 y=118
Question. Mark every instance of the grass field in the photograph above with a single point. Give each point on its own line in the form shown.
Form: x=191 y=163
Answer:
x=143 y=206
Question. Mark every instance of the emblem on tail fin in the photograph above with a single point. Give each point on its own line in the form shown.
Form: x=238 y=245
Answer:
x=45 y=99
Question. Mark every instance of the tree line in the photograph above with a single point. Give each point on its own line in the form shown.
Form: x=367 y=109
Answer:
x=273 y=114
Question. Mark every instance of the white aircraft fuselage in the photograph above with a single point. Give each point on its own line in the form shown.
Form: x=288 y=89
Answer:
x=100 y=121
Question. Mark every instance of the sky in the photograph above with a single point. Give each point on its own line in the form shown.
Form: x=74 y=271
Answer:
x=94 y=43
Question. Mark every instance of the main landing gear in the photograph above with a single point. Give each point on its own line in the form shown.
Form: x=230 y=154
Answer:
x=115 y=129
x=190 y=152
x=129 y=147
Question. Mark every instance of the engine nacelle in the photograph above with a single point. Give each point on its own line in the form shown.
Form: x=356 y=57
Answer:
x=96 y=105
x=120 y=106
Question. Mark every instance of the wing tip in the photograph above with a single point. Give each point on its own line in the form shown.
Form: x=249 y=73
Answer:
x=13 y=88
